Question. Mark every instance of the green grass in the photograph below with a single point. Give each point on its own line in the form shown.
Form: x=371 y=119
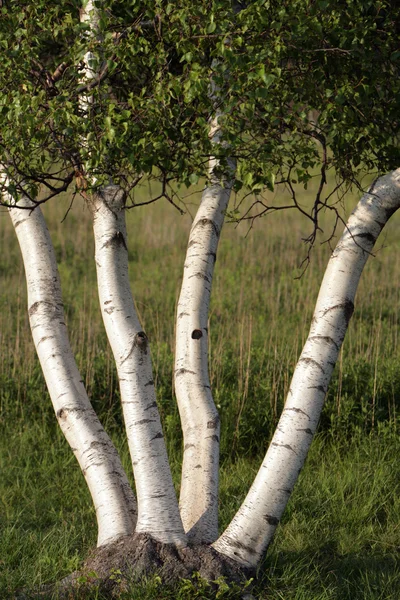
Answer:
x=340 y=537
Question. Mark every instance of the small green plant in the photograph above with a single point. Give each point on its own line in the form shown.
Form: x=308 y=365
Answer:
x=116 y=575
x=197 y=587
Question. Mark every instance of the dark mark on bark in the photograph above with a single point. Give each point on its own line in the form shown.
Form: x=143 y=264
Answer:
x=271 y=520
x=213 y=424
x=197 y=334
x=206 y=223
x=96 y=445
x=347 y=306
x=109 y=310
x=320 y=388
x=18 y=223
x=389 y=212
x=46 y=337
x=297 y=410
x=285 y=490
x=380 y=224
x=183 y=372
x=143 y=421
x=325 y=338
x=116 y=241
x=152 y=405
x=141 y=341
x=151 y=382
x=214 y=437
x=183 y=314
x=240 y=546
x=213 y=254
x=108 y=302
x=311 y=361
x=308 y=431
x=366 y=236
x=56 y=308
x=287 y=446
x=187 y=446
x=197 y=467
x=200 y=276
x=62 y=412
x=158 y=436
x=35 y=307
x=89 y=466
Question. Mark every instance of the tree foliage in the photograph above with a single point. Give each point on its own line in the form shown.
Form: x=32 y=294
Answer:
x=150 y=103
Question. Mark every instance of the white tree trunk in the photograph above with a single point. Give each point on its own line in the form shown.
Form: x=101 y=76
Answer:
x=199 y=415
x=158 y=512
x=113 y=498
x=89 y=14
x=251 y=530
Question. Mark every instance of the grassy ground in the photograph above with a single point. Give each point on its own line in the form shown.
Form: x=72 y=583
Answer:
x=340 y=538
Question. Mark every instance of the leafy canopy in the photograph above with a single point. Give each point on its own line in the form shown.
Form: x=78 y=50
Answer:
x=272 y=62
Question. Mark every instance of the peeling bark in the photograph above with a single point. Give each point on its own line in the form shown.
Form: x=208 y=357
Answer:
x=158 y=513
x=253 y=527
x=112 y=496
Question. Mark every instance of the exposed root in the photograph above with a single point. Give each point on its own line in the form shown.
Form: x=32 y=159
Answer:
x=112 y=569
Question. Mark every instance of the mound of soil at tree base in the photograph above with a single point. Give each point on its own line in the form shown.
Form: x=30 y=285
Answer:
x=113 y=568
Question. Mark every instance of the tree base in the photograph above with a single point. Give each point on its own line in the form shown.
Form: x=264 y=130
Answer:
x=114 y=568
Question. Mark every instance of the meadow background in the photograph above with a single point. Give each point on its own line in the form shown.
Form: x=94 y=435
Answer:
x=340 y=536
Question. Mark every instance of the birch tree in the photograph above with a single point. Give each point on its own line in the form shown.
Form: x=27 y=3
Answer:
x=101 y=466
x=199 y=415
x=158 y=513
x=252 y=528
x=99 y=97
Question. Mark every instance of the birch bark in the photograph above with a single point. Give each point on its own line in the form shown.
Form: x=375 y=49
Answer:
x=112 y=496
x=252 y=528
x=199 y=415
x=158 y=512
x=89 y=14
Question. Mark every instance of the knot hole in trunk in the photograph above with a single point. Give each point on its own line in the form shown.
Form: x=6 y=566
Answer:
x=197 y=334
x=141 y=341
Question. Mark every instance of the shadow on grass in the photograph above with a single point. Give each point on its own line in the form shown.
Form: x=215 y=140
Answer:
x=324 y=574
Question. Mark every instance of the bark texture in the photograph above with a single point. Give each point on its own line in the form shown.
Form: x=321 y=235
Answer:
x=101 y=466
x=253 y=527
x=199 y=415
x=158 y=513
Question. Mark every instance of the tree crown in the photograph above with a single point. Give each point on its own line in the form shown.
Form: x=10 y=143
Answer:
x=150 y=102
